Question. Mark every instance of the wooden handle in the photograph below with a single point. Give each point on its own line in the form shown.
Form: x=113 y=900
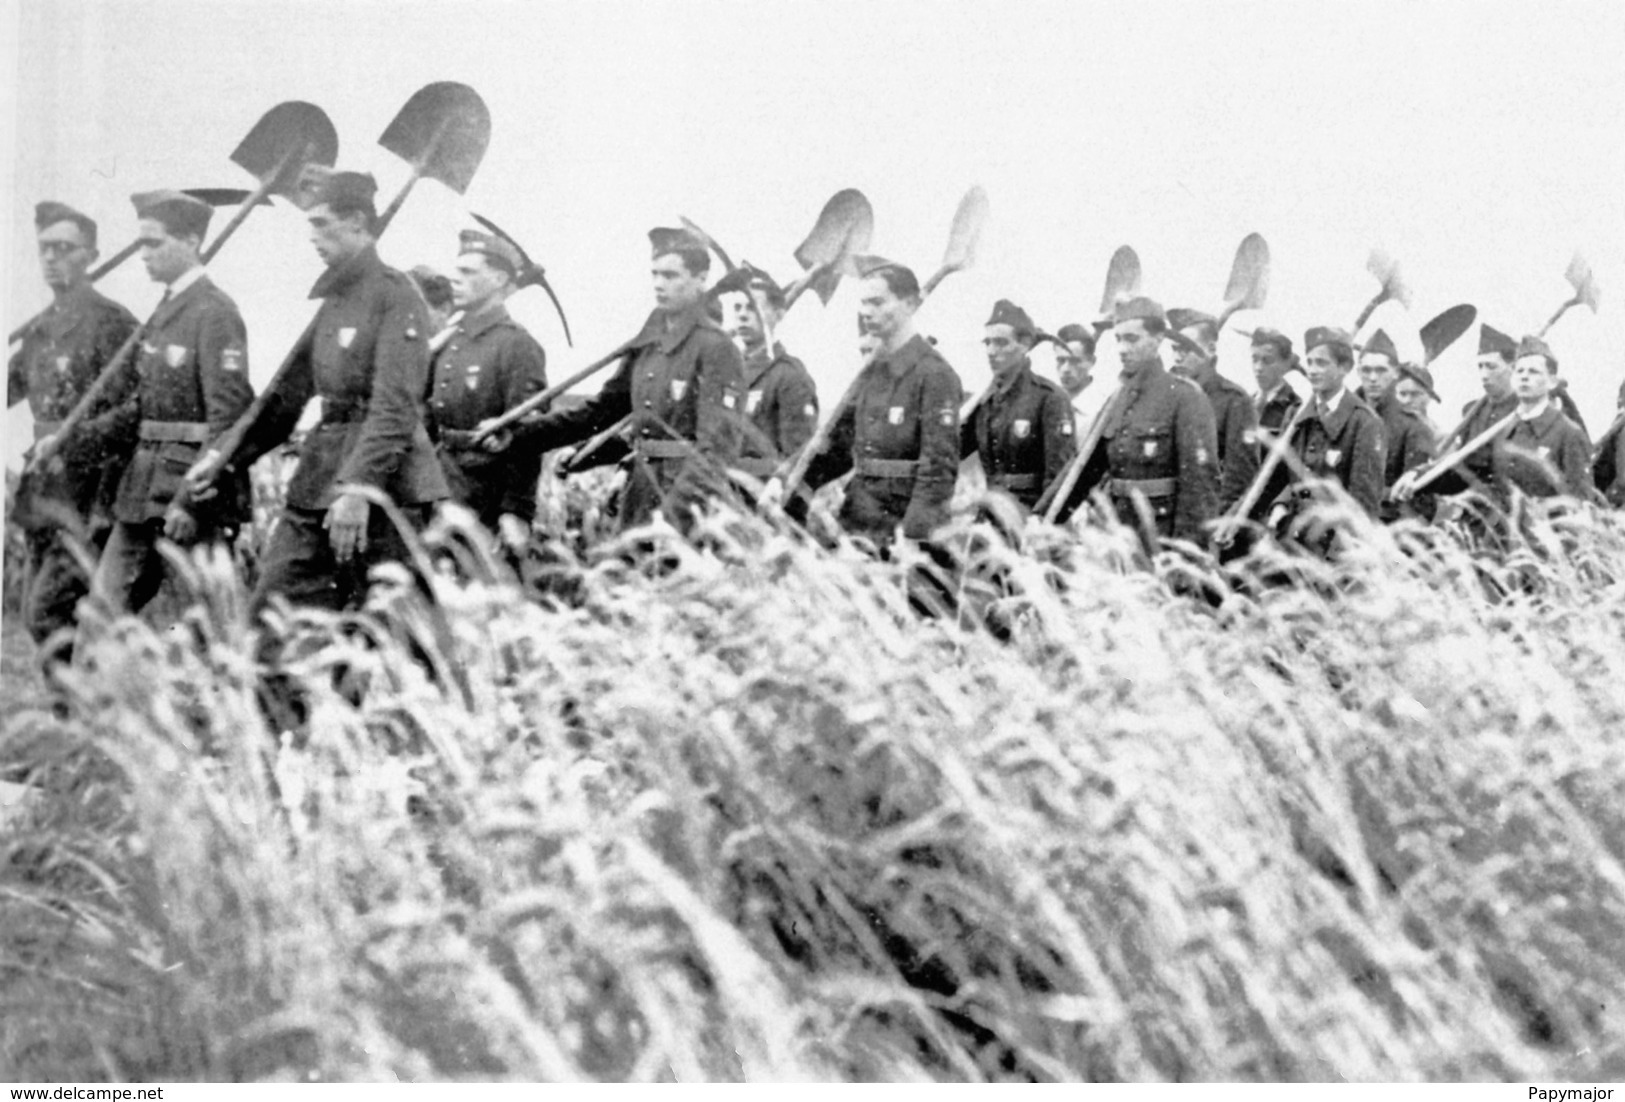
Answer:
x=1446 y=462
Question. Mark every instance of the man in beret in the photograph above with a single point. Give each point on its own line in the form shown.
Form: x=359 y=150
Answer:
x=1414 y=390
x=1408 y=439
x=61 y=353
x=682 y=382
x=488 y=365
x=366 y=358
x=1158 y=444
x=781 y=402
x=899 y=435
x=1235 y=421
x=1542 y=454
x=1022 y=428
x=188 y=384
x=1339 y=438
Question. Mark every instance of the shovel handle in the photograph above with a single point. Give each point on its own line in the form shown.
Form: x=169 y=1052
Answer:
x=1370 y=308
x=813 y=448
x=1446 y=462
x=601 y=439
x=799 y=287
x=1278 y=448
x=1086 y=448
x=267 y=182
x=1561 y=310
x=540 y=399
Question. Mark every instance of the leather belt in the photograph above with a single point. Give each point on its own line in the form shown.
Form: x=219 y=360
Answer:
x=664 y=449
x=1150 y=487
x=184 y=432
x=759 y=465
x=1014 y=481
x=887 y=468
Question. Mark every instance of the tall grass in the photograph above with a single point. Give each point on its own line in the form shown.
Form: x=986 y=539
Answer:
x=742 y=812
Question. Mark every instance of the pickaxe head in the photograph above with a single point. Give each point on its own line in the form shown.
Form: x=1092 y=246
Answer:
x=710 y=242
x=530 y=273
x=1584 y=284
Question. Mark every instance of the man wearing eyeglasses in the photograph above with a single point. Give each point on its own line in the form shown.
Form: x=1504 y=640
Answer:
x=60 y=354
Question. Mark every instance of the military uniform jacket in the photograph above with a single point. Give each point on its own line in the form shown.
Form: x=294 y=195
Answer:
x=1346 y=445
x=1234 y=424
x=1024 y=433
x=781 y=411
x=900 y=437
x=1275 y=409
x=189 y=383
x=682 y=385
x=1550 y=438
x=1159 y=441
x=1608 y=463
x=1477 y=470
x=1565 y=402
x=366 y=357
x=489 y=366
x=1409 y=443
x=60 y=355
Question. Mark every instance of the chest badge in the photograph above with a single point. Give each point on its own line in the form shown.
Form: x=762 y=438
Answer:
x=894 y=415
x=752 y=401
x=63 y=363
x=347 y=336
x=1545 y=451
x=1021 y=429
x=175 y=355
x=1249 y=436
x=1066 y=427
x=678 y=388
x=471 y=378
x=1149 y=447
x=1333 y=456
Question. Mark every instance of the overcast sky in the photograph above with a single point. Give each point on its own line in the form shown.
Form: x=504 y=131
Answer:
x=1479 y=143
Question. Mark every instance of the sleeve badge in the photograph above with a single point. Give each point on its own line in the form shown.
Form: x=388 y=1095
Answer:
x=1201 y=456
x=1333 y=456
x=231 y=359
x=752 y=401
x=809 y=410
x=1066 y=427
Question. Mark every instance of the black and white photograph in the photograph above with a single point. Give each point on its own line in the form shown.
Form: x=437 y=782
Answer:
x=902 y=541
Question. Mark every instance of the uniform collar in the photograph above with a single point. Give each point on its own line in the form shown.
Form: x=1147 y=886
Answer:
x=492 y=316
x=675 y=328
x=338 y=278
x=1539 y=418
x=1017 y=375
x=1338 y=409
x=755 y=371
x=1143 y=375
x=185 y=280
x=906 y=358
x=183 y=289
x=65 y=313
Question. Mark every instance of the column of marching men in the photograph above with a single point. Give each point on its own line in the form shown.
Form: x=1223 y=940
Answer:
x=411 y=381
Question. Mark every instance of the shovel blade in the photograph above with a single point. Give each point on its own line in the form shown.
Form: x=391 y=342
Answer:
x=1584 y=284
x=831 y=232
x=458 y=116
x=966 y=232
x=295 y=125
x=1249 y=282
x=1122 y=278
x=1443 y=331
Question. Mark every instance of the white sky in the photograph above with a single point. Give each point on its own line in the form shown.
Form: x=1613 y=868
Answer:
x=1480 y=143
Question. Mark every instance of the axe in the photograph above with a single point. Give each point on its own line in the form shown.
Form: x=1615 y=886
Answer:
x=1585 y=290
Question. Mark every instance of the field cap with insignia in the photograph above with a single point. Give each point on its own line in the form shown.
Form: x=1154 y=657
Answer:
x=180 y=213
x=1138 y=308
x=1421 y=376
x=746 y=278
x=1008 y=313
x=496 y=249
x=1534 y=346
x=1493 y=342
x=1183 y=317
x=50 y=212
x=1382 y=344
x=1329 y=335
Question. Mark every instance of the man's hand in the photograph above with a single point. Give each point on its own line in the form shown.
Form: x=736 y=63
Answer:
x=773 y=493
x=200 y=476
x=1405 y=485
x=514 y=532
x=346 y=524
x=45 y=456
x=496 y=442
x=179 y=525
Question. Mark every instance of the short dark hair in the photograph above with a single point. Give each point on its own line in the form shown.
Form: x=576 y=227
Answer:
x=1072 y=331
x=1208 y=331
x=1342 y=353
x=900 y=280
x=1154 y=326
x=695 y=261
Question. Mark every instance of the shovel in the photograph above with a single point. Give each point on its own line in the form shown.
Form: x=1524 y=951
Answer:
x=843 y=229
x=1122 y=281
x=442 y=132
x=1585 y=290
x=530 y=274
x=709 y=242
x=214 y=196
x=1386 y=270
x=963 y=236
x=1249 y=282
x=1443 y=331
x=288 y=137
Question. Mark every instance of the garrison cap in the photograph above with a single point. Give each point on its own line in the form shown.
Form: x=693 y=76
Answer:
x=50 y=212
x=746 y=278
x=1494 y=342
x=344 y=191
x=1008 y=313
x=1183 y=317
x=495 y=248
x=1534 y=346
x=179 y=212
x=1382 y=344
x=1273 y=338
x=1421 y=376
x=1138 y=308
x=1328 y=335
x=663 y=240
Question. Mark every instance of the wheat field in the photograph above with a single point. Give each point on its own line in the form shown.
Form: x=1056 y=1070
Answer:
x=738 y=811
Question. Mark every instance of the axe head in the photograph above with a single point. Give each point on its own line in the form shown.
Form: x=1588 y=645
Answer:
x=442 y=131
x=295 y=127
x=1386 y=271
x=1584 y=284
x=531 y=274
